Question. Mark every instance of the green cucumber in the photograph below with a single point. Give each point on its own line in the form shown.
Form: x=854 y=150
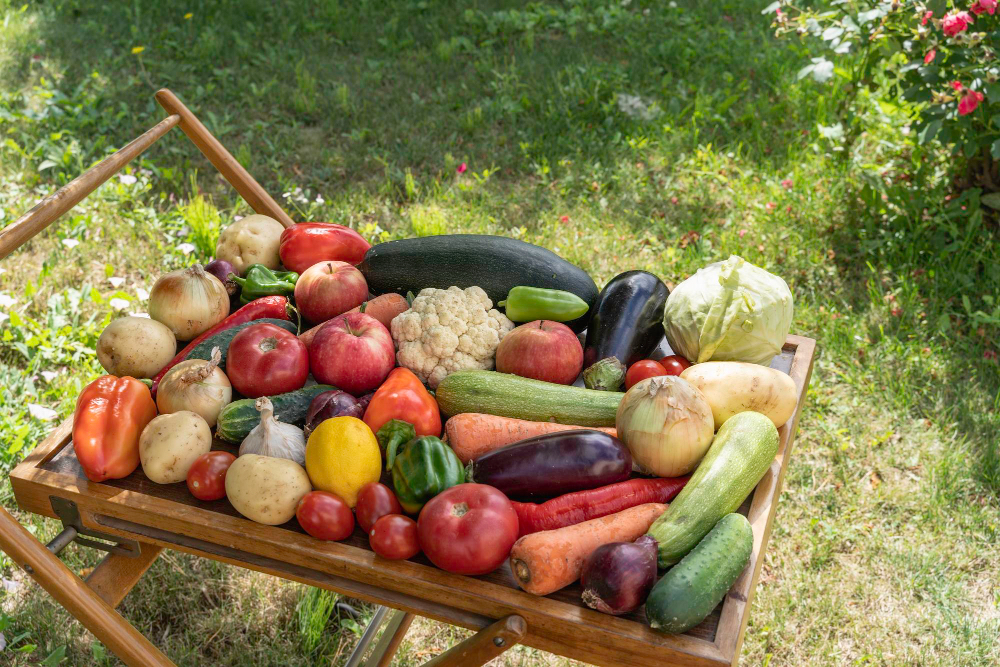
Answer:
x=240 y=417
x=740 y=454
x=221 y=340
x=507 y=395
x=497 y=264
x=689 y=592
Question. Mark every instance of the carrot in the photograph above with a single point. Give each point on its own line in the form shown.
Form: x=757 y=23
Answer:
x=544 y=562
x=472 y=434
x=383 y=308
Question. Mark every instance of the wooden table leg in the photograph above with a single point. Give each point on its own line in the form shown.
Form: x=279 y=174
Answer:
x=483 y=646
x=392 y=636
x=116 y=575
x=76 y=597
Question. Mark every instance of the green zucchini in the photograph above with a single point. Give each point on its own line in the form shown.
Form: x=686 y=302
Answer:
x=221 y=340
x=507 y=395
x=495 y=263
x=689 y=592
x=740 y=454
x=240 y=417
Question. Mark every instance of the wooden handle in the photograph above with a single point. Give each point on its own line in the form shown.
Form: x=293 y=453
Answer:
x=233 y=171
x=49 y=209
x=483 y=646
x=116 y=575
x=78 y=599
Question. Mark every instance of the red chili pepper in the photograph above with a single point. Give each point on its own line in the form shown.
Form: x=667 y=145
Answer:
x=580 y=506
x=270 y=307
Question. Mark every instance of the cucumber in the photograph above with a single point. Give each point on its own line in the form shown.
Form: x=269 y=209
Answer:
x=507 y=395
x=694 y=587
x=495 y=263
x=221 y=340
x=740 y=454
x=240 y=417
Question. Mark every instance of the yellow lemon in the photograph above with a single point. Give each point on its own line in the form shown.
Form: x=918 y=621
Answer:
x=342 y=455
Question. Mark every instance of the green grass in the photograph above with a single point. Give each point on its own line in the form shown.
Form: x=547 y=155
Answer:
x=884 y=548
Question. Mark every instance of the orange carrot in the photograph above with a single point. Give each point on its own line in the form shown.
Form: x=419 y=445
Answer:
x=472 y=434
x=544 y=562
x=383 y=308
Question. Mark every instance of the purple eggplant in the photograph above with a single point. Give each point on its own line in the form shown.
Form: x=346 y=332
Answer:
x=330 y=404
x=553 y=464
x=617 y=577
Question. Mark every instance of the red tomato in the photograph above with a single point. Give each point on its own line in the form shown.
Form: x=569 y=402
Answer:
x=675 y=364
x=394 y=536
x=468 y=529
x=641 y=370
x=265 y=359
x=374 y=502
x=206 y=478
x=325 y=516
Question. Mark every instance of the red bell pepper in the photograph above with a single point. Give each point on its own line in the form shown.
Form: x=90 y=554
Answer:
x=580 y=506
x=403 y=396
x=110 y=415
x=268 y=307
x=308 y=243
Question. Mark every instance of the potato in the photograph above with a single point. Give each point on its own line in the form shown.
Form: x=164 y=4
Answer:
x=170 y=443
x=136 y=346
x=265 y=489
x=252 y=240
x=734 y=386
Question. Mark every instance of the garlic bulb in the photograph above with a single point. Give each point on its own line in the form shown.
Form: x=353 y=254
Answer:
x=189 y=301
x=196 y=385
x=273 y=438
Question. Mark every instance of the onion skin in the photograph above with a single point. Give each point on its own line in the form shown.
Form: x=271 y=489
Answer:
x=617 y=577
x=189 y=301
x=330 y=404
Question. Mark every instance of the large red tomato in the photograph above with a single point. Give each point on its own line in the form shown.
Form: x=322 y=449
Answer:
x=468 y=529
x=265 y=359
x=325 y=516
x=206 y=478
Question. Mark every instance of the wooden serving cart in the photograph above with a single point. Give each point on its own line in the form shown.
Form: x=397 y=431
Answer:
x=134 y=519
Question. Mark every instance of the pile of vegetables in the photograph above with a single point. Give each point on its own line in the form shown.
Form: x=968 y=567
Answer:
x=306 y=375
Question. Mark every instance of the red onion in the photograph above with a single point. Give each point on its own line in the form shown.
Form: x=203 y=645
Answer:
x=617 y=577
x=330 y=404
x=221 y=269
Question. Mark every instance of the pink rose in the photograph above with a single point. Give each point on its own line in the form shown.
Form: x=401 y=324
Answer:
x=927 y=17
x=984 y=7
x=956 y=22
x=970 y=100
x=929 y=58
x=461 y=168
x=957 y=85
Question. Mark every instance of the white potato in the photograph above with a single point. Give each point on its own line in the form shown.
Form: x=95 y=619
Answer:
x=251 y=240
x=135 y=346
x=170 y=444
x=731 y=387
x=265 y=489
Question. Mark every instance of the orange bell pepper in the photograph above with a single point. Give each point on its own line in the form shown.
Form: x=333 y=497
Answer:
x=110 y=415
x=403 y=396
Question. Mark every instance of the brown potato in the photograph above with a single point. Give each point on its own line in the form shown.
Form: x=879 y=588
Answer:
x=135 y=346
x=170 y=444
x=251 y=240
x=731 y=387
x=265 y=489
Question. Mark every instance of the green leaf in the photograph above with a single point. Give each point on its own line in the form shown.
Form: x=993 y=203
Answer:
x=771 y=7
x=929 y=132
x=993 y=91
x=54 y=658
x=995 y=150
x=992 y=199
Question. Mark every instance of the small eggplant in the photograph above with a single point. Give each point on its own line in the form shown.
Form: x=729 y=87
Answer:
x=330 y=404
x=553 y=464
x=617 y=577
x=627 y=320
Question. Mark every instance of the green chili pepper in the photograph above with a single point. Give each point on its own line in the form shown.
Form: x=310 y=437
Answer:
x=423 y=468
x=262 y=281
x=526 y=304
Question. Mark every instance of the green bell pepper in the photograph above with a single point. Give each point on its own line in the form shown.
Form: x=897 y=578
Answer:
x=527 y=304
x=262 y=281
x=422 y=467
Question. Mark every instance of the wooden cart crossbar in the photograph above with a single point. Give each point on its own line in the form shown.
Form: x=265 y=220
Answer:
x=134 y=519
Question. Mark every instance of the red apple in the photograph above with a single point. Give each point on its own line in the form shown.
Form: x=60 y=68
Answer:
x=328 y=289
x=353 y=352
x=542 y=350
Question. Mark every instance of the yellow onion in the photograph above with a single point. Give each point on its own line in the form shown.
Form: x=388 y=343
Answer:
x=196 y=385
x=667 y=425
x=189 y=301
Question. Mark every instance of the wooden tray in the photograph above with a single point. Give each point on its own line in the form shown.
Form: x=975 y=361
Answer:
x=169 y=516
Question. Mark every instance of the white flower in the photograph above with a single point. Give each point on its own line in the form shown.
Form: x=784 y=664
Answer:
x=141 y=294
x=634 y=107
x=320 y=200
x=116 y=281
x=41 y=412
x=119 y=304
x=186 y=248
x=7 y=301
x=146 y=315
x=237 y=218
x=49 y=375
x=70 y=243
x=2 y=270
x=672 y=5
x=127 y=179
x=4 y=317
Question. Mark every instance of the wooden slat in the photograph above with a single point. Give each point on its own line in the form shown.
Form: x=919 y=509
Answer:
x=483 y=646
x=117 y=574
x=389 y=643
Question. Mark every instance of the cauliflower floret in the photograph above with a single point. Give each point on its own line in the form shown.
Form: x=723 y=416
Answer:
x=448 y=330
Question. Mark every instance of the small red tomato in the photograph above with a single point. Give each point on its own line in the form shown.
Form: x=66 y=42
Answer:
x=641 y=370
x=265 y=359
x=394 y=536
x=206 y=478
x=675 y=364
x=325 y=516
x=374 y=502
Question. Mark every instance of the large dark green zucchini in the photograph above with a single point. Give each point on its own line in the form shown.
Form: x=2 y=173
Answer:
x=495 y=263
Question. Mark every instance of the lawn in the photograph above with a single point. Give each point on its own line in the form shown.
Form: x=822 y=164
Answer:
x=623 y=135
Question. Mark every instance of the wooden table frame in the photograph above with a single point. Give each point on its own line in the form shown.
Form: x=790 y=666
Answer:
x=153 y=517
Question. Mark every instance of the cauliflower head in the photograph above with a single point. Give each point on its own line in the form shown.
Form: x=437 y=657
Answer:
x=448 y=330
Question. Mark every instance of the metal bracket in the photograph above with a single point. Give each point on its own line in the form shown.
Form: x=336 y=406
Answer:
x=69 y=514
